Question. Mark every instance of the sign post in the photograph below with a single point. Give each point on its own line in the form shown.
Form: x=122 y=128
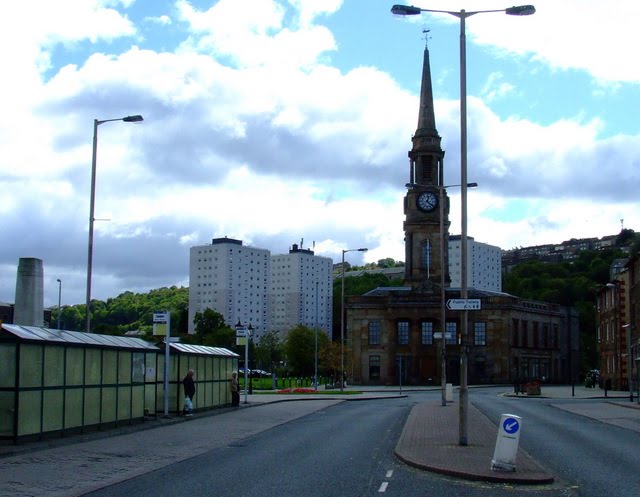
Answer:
x=162 y=326
x=504 y=455
x=243 y=334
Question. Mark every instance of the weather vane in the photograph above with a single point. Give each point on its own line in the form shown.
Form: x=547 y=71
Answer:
x=426 y=37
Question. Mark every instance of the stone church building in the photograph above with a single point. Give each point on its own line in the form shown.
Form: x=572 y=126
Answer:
x=395 y=334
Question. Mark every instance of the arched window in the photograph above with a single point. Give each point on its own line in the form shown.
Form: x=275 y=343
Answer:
x=427 y=256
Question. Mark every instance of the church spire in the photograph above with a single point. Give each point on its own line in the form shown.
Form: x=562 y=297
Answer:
x=426 y=115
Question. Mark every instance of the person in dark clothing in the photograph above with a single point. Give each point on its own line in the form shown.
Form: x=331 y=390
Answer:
x=235 y=390
x=189 y=392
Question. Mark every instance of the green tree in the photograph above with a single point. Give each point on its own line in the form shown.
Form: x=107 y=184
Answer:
x=572 y=284
x=387 y=262
x=300 y=349
x=211 y=330
x=331 y=359
x=269 y=351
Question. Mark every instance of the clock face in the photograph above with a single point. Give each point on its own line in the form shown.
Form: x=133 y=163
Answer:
x=427 y=201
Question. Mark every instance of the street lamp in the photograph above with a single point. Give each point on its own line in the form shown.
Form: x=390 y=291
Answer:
x=59 y=300
x=315 y=354
x=344 y=251
x=96 y=123
x=627 y=328
x=407 y=10
x=443 y=311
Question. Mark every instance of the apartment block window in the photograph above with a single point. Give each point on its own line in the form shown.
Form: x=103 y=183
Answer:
x=403 y=332
x=374 y=367
x=480 y=333
x=426 y=333
x=374 y=333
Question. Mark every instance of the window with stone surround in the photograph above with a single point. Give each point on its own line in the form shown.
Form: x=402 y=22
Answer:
x=480 y=333
x=426 y=333
x=403 y=332
x=374 y=332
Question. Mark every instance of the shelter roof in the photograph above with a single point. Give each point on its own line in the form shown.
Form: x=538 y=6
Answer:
x=48 y=335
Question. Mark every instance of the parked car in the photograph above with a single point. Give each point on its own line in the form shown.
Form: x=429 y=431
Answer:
x=257 y=373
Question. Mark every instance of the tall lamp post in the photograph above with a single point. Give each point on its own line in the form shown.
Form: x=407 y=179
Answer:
x=407 y=10
x=344 y=251
x=443 y=309
x=96 y=123
x=315 y=353
x=59 y=300
x=627 y=329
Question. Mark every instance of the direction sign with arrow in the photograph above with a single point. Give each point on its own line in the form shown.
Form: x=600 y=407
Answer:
x=463 y=304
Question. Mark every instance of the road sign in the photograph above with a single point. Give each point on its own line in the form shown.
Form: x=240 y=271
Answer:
x=511 y=426
x=463 y=304
x=438 y=334
x=505 y=453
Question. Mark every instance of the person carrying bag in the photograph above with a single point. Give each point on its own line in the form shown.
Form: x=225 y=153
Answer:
x=189 y=391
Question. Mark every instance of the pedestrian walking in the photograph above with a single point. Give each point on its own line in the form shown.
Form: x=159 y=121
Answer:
x=189 y=391
x=235 y=389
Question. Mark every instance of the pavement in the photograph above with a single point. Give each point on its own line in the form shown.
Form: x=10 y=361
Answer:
x=430 y=438
x=75 y=465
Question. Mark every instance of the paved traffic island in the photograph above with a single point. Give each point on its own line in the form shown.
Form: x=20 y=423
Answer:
x=429 y=441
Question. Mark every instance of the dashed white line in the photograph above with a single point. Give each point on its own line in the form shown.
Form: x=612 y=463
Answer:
x=383 y=487
x=389 y=473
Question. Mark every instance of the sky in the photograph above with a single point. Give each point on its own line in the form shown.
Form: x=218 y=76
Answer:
x=289 y=121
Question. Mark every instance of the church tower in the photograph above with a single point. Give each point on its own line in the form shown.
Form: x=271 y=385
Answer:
x=426 y=204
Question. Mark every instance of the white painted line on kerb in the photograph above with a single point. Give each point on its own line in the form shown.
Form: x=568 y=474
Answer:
x=383 y=487
x=389 y=473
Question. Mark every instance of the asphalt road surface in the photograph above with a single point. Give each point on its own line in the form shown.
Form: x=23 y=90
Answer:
x=594 y=458
x=344 y=450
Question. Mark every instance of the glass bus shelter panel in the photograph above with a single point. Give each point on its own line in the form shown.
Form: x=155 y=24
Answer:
x=124 y=403
x=137 y=401
x=30 y=366
x=74 y=374
x=7 y=365
x=91 y=406
x=93 y=367
x=109 y=367
x=124 y=367
x=53 y=407
x=30 y=412
x=7 y=406
x=108 y=404
x=73 y=408
x=53 y=366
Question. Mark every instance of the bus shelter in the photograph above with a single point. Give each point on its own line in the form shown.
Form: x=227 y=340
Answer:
x=54 y=382
x=212 y=368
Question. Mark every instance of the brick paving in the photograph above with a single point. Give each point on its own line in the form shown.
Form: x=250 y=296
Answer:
x=430 y=440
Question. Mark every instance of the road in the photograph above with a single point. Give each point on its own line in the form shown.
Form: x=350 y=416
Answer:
x=341 y=450
x=592 y=457
x=329 y=448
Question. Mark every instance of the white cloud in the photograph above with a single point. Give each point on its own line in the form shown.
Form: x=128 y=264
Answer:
x=164 y=20
x=571 y=34
x=251 y=132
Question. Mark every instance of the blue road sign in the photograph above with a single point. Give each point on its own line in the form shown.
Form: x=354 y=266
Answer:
x=511 y=426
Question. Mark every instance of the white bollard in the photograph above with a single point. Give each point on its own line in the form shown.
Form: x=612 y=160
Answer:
x=504 y=455
x=448 y=392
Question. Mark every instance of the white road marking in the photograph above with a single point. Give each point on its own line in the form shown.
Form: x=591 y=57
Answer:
x=389 y=473
x=383 y=487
